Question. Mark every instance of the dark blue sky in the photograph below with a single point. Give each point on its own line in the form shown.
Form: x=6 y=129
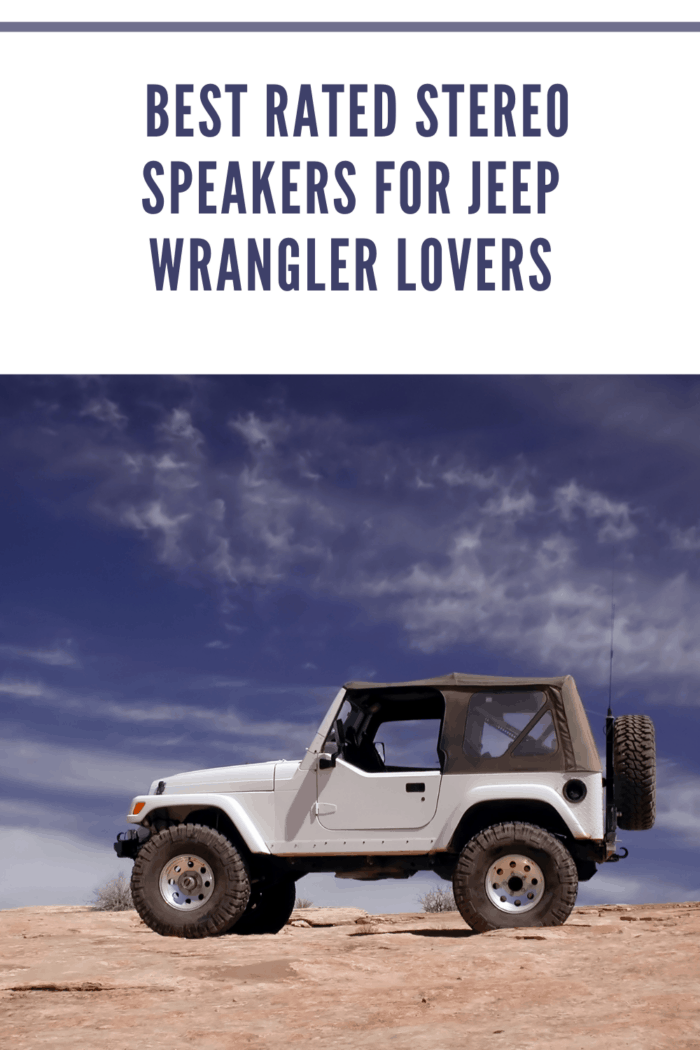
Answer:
x=192 y=567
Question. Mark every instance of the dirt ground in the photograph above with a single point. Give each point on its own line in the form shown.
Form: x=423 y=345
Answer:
x=614 y=976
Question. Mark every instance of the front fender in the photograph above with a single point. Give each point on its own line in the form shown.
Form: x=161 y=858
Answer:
x=233 y=809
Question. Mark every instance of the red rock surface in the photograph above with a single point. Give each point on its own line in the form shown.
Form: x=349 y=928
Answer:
x=622 y=977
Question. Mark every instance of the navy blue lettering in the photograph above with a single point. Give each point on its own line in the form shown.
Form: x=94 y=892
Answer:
x=511 y=264
x=431 y=244
x=476 y=188
x=453 y=90
x=204 y=97
x=198 y=265
x=540 y=245
x=529 y=110
x=544 y=168
x=410 y=206
x=261 y=187
x=503 y=110
x=382 y=184
x=438 y=188
x=157 y=167
x=381 y=92
x=312 y=285
x=228 y=268
x=276 y=105
x=235 y=91
x=475 y=110
x=156 y=101
x=404 y=285
x=356 y=111
x=429 y=129
x=205 y=187
x=256 y=264
x=483 y=264
x=333 y=90
x=495 y=187
x=459 y=262
x=233 y=190
x=166 y=262
x=340 y=170
x=365 y=266
x=177 y=168
x=182 y=111
x=338 y=264
x=554 y=129
x=315 y=189
x=519 y=187
x=289 y=187
x=288 y=272
x=306 y=114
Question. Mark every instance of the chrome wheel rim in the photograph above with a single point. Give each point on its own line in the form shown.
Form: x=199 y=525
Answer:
x=186 y=882
x=514 y=883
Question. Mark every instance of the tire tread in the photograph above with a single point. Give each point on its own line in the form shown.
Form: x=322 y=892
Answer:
x=514 y=832
x=230 y=908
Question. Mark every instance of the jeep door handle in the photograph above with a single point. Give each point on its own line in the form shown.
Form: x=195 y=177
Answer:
x=324 y=809
x=415 y=787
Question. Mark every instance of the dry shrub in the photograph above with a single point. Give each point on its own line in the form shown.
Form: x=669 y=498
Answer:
x=438 y=899
x=303 y=902
x=114 y=895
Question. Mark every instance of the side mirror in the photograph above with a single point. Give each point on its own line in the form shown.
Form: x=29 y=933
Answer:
x=326 y=761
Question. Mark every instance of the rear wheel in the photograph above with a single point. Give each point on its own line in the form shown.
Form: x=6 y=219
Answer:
x=269 y=908
x=515 y=874
x=189 y=881
x=634 y=763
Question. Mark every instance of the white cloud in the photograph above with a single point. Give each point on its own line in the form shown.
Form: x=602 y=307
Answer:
x=28 y=690
x=686 y=539
x=82 y=770
x=58 y=657
x=259 y=434
x=216 y=644
x=493 y=555
x=615 y=516
x=508 y=505
x=106 y=411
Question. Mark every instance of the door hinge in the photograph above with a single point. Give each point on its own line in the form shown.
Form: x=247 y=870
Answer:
x=323 y=808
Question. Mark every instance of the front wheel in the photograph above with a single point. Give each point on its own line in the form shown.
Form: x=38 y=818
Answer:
x=189 y=881
x=515 y=874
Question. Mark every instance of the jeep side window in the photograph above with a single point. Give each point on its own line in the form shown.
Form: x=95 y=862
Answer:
x=496 y=719
x=541 y=740
x=410 y=744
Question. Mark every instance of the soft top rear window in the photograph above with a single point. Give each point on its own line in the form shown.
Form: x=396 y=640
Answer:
x=496 y=719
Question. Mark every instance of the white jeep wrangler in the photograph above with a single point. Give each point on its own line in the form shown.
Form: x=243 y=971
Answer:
x=504 y=796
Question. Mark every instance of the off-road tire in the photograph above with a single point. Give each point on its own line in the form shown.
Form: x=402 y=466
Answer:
x=502 y=840
x=228 y=900
x=269 y=908
x=634 y=763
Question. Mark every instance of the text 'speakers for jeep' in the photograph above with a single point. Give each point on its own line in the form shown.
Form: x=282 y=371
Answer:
x=507 y=800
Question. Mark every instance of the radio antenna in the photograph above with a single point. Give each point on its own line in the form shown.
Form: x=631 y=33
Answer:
x=612 y=632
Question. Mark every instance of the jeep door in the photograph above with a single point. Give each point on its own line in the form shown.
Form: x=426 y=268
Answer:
x=387 y=769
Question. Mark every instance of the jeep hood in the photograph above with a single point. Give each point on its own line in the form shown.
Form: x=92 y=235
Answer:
x=254 y=776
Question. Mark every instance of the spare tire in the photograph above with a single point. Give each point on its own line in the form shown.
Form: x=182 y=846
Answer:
x=634 y=763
